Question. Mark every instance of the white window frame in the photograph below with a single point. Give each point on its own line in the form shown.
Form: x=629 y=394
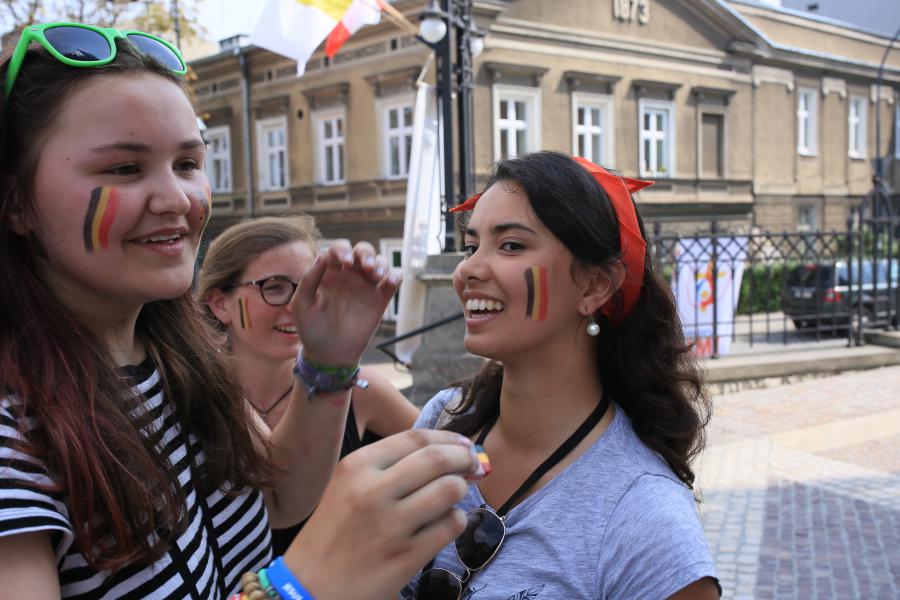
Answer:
x=646 y=105
x=857 y=124
x=222 y=156
x=807 y=121
x=531 y=96
x=605 y=128
x=336 y=146
x=383 y=107
x=387 y=247
x=263 y=152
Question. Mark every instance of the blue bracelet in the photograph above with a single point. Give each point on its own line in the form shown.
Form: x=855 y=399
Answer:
x=285 y=583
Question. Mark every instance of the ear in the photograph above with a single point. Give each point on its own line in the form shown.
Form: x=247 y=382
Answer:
x=599 y=284
x=217 y=302
x=16 y=219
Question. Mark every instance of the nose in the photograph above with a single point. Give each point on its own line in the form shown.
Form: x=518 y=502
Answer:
x=472 y=268
x=168 y=195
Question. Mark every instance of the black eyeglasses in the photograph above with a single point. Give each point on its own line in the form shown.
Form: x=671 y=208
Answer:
x=475 y=547
x=276 y=290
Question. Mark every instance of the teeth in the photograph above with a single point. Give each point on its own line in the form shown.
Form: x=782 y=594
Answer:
x=162 y=238
x=286 y=328
x=481 y=305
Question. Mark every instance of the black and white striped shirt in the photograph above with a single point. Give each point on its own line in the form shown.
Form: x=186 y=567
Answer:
x=196 y=569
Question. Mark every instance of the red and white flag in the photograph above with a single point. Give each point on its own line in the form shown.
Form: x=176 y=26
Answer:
x=360 y=14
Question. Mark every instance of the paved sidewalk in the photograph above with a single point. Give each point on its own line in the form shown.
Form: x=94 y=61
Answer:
x=801 y=488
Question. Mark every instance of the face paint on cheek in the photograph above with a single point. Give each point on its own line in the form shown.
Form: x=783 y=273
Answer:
x=245 y=314
x=100 y=214
x=538 y=293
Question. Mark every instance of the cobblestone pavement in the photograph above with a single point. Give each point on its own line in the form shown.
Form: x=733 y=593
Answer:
x=801 y=489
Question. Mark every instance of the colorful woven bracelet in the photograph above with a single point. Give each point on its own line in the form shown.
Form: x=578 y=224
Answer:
x=324 y=379
x=285 y=583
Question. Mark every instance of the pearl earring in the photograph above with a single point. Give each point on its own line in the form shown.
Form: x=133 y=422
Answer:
x=593 y=329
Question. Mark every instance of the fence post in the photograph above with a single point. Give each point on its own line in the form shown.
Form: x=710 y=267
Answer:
x=851 y=241
x=859 y=277
x=714 y=228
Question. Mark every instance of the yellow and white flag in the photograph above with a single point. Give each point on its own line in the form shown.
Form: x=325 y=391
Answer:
x=295 y=28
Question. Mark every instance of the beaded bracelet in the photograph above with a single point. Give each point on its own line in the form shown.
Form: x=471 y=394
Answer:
x=324 y=379
x=255 y=586
x=285 y=583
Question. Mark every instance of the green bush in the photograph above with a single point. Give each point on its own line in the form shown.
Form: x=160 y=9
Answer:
x=761 y=288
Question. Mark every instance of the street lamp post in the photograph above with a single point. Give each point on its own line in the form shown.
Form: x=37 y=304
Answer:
x=438 y=21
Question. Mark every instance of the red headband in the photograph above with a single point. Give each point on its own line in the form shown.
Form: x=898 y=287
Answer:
x=619 y=190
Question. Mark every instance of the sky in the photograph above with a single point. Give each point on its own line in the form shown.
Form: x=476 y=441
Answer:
x=225 y=18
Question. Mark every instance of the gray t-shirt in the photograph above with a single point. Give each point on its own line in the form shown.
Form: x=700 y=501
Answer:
x=615 y=524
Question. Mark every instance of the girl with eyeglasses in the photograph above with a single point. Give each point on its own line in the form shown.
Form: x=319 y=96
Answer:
x=130 y=464
x=590 y=408
x=247 y=280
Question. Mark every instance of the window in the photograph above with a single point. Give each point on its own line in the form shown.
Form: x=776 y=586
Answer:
x=712 y=144
x=897 y=131
x=329 y=143
x=657 y=141
x=392 y=250
x=398 y=133
x=592 y=131
x=218 y=159
x=857 y=121
x=807 y=120
x=272 y=136
x=516 y=121
x=807 y=217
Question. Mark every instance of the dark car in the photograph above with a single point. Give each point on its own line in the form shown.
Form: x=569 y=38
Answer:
x=819 y=294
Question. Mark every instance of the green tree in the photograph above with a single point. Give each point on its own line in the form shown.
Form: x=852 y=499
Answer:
x=153 y=16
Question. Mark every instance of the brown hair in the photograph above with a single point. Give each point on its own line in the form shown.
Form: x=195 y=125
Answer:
x=643 y=361
x=229 y=253
x=119 y=490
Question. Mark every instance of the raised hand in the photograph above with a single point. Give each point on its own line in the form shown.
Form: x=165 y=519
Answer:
x=386 y=512
x=340 y=302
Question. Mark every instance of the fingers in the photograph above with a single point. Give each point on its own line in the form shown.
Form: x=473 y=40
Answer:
x=422 y=506
x=385 y=453
x=426 y=465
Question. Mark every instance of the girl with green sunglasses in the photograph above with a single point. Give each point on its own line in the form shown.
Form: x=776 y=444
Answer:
x=130 y=464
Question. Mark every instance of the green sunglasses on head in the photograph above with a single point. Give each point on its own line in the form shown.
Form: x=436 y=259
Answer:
x=79 y=45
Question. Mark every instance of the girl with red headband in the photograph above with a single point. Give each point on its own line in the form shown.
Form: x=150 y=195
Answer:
x=590 y=407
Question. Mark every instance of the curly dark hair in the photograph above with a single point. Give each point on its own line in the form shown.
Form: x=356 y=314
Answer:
x=643 y=359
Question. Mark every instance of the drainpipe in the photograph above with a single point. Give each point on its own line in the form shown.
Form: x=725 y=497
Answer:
x=245 y=120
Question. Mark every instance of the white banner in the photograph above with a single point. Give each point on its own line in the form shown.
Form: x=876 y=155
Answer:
x=695 y=295
x=423 y=228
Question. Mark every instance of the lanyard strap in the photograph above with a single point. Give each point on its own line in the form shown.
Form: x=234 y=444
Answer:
x=561 y=452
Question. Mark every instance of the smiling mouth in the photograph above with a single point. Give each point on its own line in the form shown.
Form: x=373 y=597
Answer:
x=481 y=307
x=291 y=329
x=161 y=239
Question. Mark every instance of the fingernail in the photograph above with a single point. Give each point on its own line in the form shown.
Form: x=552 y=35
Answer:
x=348 y=257
x=380 y=271
x=392 y=280
x=464 y=441
x=369 y=260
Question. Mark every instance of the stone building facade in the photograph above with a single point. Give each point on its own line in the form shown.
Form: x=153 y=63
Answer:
x=742 y=113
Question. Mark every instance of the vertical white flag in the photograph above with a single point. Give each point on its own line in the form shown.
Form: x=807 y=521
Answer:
x=423 y=228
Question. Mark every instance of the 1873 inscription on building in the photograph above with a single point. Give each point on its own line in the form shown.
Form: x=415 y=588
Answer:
x=631 y=11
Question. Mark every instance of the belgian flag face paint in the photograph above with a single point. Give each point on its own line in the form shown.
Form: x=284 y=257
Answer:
x=245 y=313
x=100 y=214
x=538 y=293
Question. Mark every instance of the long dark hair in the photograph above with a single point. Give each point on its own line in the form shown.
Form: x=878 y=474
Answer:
x=63 y=376
x=643 y=361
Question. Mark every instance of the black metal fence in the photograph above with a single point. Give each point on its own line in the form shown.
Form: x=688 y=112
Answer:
x=736 y=291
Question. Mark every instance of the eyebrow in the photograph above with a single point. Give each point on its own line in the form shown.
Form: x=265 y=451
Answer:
x=144 y=148
x=502 y=228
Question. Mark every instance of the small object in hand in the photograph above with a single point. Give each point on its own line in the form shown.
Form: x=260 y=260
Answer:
x=484 y=463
